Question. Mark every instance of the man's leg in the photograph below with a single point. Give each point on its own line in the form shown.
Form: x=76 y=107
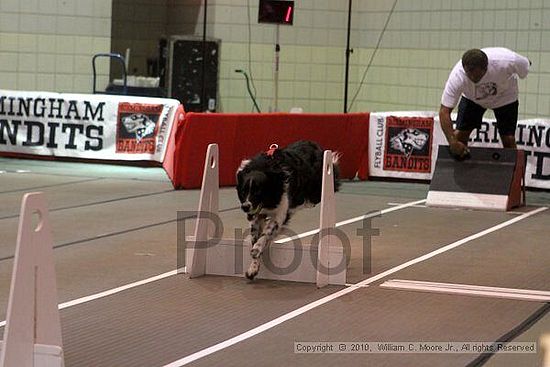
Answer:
x=507 y=119
x=508 y=141
x=469 y=116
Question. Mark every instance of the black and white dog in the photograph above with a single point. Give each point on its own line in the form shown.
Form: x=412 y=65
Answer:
x=273 y=185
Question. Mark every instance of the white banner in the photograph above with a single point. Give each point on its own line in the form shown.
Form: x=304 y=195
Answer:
x=533 y=136
x=88 y=126
x=404 y=145
x=401 y=144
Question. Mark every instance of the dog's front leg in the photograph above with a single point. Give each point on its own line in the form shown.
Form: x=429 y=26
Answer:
x=257 y=225
x=271 y=228
x=270 y=231
x=256 y=228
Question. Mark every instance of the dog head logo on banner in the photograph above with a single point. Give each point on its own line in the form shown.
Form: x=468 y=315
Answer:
x=140 y=125
x=137 y=127
x=408 y=145
x=409 y=140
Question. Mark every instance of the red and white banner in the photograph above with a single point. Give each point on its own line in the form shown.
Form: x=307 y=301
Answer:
x=402 y=144
x=405 y=144
x=88 y=126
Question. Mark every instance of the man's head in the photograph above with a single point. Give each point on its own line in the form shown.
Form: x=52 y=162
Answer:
x=475 y=62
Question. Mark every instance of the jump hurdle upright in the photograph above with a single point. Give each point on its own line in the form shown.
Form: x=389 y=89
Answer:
x=544 y=342
x=32 y=336
x=321 y=262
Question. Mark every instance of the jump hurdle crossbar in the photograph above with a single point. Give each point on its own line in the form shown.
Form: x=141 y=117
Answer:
x=32 y=336
x=321 y=263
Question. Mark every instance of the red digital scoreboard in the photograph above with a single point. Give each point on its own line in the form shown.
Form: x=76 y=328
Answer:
x=276 y=12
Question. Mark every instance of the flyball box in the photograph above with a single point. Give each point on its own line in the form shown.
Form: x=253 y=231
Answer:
x=490 y=179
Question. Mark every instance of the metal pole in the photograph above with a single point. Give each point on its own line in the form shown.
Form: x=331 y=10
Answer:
x=276 y=72
x=348 y=52
x=203 y=81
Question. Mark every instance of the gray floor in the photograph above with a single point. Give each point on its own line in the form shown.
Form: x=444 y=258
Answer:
x=115 y=225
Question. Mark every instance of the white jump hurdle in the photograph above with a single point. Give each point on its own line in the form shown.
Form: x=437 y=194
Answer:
x=322 y=263
x=545 y=346
x=32 y=336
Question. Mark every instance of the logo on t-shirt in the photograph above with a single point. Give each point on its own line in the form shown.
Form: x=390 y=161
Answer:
x=485 y=90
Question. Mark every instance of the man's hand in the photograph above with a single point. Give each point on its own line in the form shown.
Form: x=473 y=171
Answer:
x=459 y=150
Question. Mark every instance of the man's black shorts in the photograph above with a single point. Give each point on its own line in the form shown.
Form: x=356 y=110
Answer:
x=470 y=115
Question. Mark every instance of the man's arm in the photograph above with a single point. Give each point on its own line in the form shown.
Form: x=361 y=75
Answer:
x=456 y=147
x=521 y=65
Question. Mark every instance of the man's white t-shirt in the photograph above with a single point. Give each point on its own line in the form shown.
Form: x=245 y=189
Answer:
x=497 y=88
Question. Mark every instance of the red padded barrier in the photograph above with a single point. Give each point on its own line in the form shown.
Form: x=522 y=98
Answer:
x=241 y=136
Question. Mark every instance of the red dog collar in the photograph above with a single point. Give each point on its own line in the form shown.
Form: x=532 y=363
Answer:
x=272 y=149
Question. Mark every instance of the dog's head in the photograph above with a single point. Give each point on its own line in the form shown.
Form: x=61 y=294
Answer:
x=259 y=189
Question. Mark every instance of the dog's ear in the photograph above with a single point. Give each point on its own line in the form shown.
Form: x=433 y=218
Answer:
x=240 y=178
x=240 y=188
x=240 y=172
x=244 y=163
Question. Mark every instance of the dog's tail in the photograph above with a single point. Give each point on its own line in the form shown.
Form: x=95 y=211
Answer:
x=336 y=158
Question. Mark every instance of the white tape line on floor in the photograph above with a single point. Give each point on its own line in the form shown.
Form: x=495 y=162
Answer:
x=468 y=290
x=110 y=291
x=286 y=317
x=353 y=220
x=174 y=272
